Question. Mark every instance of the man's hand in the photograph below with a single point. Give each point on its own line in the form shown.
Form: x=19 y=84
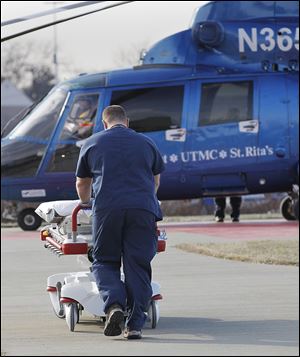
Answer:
x=86 y=204
x=157 y=182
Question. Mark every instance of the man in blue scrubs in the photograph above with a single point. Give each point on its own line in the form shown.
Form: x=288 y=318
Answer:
x=122 y=168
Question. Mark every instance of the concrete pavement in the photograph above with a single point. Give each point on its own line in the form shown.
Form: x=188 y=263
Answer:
x=210 y=307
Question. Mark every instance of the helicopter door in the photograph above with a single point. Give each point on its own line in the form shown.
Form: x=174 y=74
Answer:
x=157 y=112
x=292 y=85
x=222 y=136
x=274 y=131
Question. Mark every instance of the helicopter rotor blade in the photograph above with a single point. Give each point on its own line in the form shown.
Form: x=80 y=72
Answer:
x=49 y=12
x=60 y=21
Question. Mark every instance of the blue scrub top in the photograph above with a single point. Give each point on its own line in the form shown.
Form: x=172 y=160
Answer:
x=122 y=163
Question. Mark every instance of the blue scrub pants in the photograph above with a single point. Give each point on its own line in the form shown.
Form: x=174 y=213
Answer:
x=127 y=235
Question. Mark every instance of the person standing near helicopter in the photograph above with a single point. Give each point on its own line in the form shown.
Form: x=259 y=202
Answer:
x=235 y=203
x=124 y=169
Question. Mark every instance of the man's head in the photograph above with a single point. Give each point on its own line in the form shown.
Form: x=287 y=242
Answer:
x=84 y=103
x=113 y=115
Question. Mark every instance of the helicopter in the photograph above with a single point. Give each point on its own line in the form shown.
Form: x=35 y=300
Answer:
x=219 y=99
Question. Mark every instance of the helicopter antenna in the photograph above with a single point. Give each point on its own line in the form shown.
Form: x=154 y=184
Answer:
x=60 y=21
x=48 y=12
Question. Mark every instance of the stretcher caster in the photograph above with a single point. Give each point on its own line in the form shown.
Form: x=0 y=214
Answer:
x=153 y=314
x=72 y=315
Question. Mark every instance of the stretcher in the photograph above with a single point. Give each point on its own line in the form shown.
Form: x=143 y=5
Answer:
x=69 y=232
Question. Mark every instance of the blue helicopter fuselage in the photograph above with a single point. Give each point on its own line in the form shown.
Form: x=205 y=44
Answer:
x=220 y=100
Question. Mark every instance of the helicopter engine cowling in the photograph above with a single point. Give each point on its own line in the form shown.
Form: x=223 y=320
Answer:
x=208 y=33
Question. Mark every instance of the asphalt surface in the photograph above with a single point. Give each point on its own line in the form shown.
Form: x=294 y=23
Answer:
x=210 y=306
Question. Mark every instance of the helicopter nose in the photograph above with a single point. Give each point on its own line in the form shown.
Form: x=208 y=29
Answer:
x=21 y=158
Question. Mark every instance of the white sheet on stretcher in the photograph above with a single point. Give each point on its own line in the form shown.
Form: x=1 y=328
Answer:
x=52 y=210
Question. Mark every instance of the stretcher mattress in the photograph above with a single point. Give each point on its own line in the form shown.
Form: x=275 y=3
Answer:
x=56 y=211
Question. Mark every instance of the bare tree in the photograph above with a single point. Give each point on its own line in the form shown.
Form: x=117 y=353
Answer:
x=130 y=56
x=28 y=66
x=14 y=62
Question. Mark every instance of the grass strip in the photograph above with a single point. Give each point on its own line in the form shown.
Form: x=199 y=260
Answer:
x=281 y=252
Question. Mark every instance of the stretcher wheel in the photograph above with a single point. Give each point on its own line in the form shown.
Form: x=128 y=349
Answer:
x=153 y=314
x=72 y=315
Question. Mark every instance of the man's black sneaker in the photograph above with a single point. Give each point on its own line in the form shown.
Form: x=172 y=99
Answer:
x=235 y=219
x=114 y=321
x=219 y=219
x=132 y=334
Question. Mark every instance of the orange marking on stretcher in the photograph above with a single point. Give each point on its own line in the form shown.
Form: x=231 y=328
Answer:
x=44 y=234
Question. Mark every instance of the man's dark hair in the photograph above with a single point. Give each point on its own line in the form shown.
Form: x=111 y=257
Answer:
x=114 y=113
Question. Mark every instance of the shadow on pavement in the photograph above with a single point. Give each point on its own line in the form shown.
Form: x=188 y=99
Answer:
x=214 y=331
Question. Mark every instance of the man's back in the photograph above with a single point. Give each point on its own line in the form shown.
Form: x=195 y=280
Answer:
x=122 y=164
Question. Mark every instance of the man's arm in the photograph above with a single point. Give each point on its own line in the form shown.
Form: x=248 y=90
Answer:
x=157 y=182
x=84 y=188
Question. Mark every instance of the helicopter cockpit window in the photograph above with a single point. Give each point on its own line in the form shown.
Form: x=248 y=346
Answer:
x=40 y=122
x=23 y=149
x=80 y=122
x=223 y=103
x=151 y=109
x=79 y=125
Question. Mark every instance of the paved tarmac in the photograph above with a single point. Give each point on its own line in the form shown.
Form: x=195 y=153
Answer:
x=210 y=306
